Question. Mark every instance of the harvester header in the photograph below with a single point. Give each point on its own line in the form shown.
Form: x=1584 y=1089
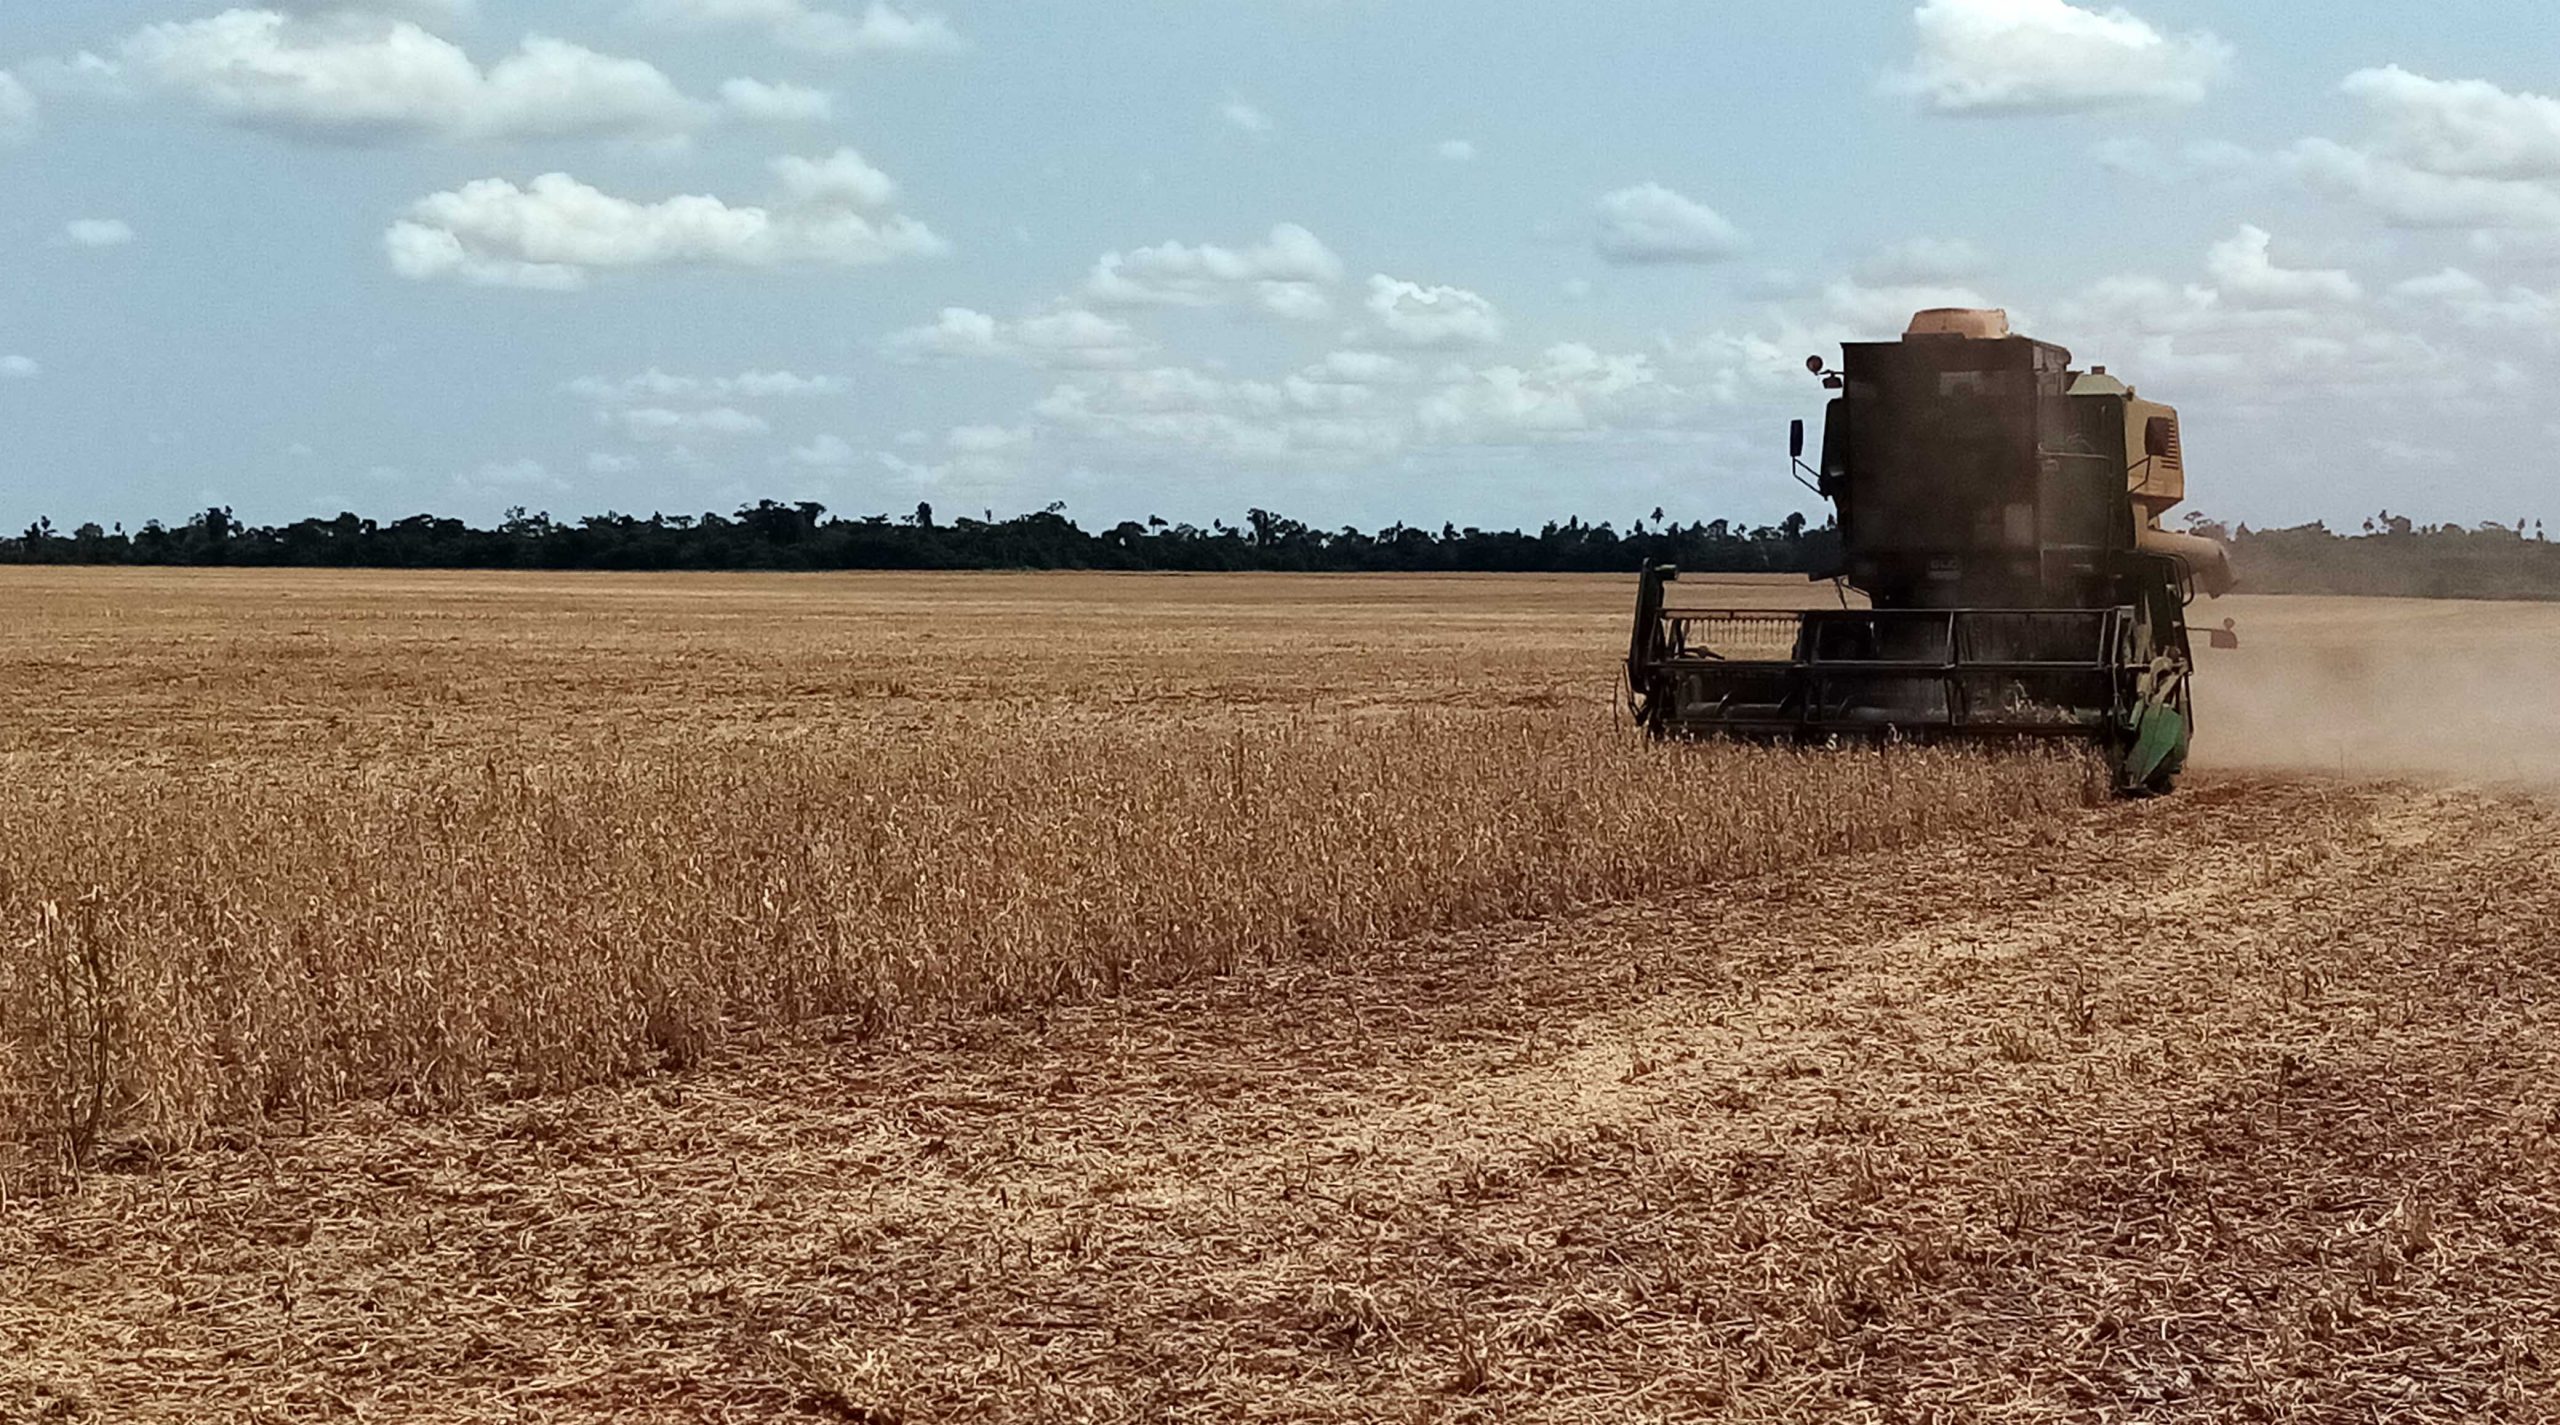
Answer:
x=2001 y=512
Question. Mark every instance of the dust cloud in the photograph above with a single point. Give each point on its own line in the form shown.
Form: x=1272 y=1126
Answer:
x=2429 y=689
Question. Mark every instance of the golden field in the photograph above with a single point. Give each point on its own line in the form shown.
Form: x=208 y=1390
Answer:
x=1021 y=998
x=282 y=840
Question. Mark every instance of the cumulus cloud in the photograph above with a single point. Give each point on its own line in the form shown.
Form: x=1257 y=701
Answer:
x=1287 y=274
x=1361 y=368
x=2258 y=332
x=1649 y=223
x=2474 y=303
x=97 y=232
x=2443 y=154
x=19 y=368
x=1355 y=407
x=556 y=232
x=1454 y=151
x=844 y=177
x=827 y=452
x=1557 y=396
x=2245 y=273
x=17 y=110
x=2408 y=196
x=1069 y=337
x=2465 y=127
x=763 y=103
x=1415 y=315
x=84 y=75
x=359 y=78
x=510 y=477
x=880 y=29
x=1194 y=411
x=1245 y=117
x=986 y=440
x=656 y=386
x=670 y=423
x=1990 y=56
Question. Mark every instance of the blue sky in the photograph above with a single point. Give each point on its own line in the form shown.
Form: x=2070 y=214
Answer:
x=1355 y=260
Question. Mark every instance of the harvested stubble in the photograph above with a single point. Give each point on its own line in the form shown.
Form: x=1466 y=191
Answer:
x=192 y=948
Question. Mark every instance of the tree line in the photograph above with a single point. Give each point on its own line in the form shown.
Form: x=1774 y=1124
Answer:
x=2395 y=556
x=804 y=536
x=2391 y=554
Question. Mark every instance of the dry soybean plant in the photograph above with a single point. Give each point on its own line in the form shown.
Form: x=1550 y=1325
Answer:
x=192 y=949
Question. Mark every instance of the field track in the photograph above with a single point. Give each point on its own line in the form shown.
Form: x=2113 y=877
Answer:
x=2236 y=1105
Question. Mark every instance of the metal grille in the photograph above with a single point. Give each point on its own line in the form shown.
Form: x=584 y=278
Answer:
x=1738 y=637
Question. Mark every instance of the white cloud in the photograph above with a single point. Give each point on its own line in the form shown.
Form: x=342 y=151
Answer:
x=1651 y=223
x=1191 y=411
x=827 y=452
x=2246 y=274
x=2443 y=154
x=1286 y=274
x=759 y=102
x=2464 y=127
x=1454 y=151
x=1362 y=368
x=1076 y=337
x=654 y=385
x=610 y=462
x=17 y=110
x=1245 y=117
x=19 y=368
x=519 y=477
x=359 y=78
x=2411 y=197
x=1416 y=315
x=1981 y=56
x=1068 y=337
x=669 y=423
x=881 y=29
x=843 y=177
x=985 y=440
x=83 y=76
x=2260 y=334
x=1356 y=407
x=1921 y=260
x=555 y=232
x=1561 y=395
x=958 y=332
x=2474 y=303
x=2401 y=452
x=97 y=232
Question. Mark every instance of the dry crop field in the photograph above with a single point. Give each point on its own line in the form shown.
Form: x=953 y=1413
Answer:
x=1079 y=997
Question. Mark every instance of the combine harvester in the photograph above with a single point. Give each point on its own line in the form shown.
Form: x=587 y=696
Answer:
x=2001 y=512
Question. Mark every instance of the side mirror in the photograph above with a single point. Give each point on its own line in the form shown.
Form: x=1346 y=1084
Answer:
x=1813 y=364
x=1795 y=440
x=2160 y=438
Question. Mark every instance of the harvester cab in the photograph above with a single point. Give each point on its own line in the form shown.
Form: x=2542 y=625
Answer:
x=2001 y=512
